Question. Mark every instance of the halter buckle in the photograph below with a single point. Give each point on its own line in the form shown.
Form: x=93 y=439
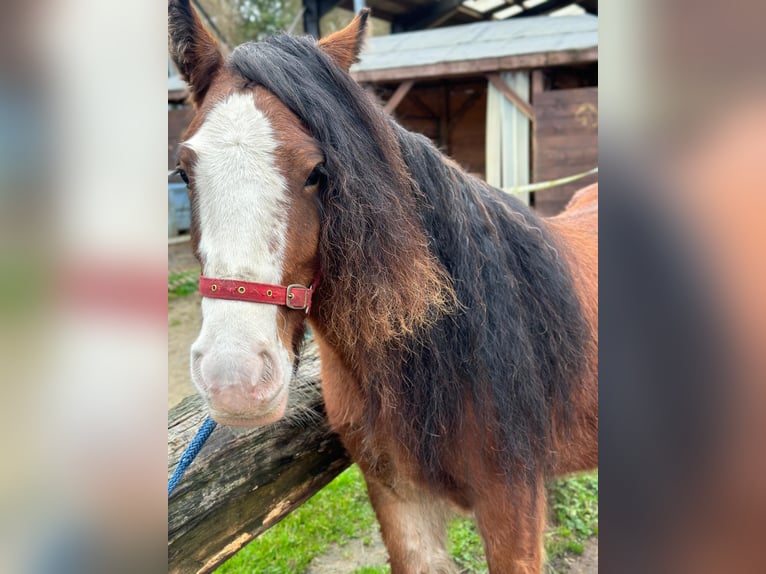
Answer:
x=289 y=295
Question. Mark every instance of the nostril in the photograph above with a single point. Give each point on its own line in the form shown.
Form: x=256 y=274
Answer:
x=196 y=369
x=267 y=366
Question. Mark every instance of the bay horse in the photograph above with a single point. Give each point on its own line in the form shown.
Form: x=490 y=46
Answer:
x=457 y=330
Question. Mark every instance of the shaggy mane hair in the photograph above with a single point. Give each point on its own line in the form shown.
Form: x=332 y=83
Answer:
x=437 y=289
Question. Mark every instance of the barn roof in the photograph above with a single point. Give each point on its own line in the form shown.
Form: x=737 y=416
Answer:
x=493 y=45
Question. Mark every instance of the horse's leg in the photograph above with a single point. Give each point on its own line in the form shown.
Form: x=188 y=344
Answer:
x=414 y=527
x=511 y=519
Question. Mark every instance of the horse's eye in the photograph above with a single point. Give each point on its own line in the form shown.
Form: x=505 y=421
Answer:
x=314 y=176
x=183 y=176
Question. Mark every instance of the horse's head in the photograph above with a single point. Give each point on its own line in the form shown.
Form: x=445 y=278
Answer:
x=253 y=172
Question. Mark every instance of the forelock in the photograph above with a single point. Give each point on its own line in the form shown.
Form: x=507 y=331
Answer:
x=353 y=132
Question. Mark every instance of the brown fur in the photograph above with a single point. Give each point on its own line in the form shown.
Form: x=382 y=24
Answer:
x=194 y=50
x=577 y=231
x=296 y=156
x=344 y=45
x=511 y=518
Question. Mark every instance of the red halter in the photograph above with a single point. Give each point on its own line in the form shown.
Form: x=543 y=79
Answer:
x=290 y=296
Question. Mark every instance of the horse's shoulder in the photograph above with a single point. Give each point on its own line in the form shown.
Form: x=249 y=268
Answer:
x=585 y=198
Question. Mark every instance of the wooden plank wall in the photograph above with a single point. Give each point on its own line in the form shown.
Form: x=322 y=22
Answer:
x=565 y=142
x=461 y=117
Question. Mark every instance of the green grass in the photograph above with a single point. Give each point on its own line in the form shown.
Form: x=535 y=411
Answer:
x=464 y=544
x=574 y=508
x=182 y=284
x=341 y=512
x=338 y=513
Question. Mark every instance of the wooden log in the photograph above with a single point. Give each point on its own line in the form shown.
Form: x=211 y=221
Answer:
x=244 y=482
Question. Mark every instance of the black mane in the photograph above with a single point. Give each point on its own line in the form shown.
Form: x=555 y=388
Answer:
x=517 y=342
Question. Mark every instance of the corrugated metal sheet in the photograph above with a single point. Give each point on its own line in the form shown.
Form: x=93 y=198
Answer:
x=507 y=135
x=496 y=39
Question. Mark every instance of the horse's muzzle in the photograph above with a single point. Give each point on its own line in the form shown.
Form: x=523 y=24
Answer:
x=241 y=389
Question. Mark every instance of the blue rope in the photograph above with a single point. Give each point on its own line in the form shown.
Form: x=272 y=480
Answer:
x=191 y=452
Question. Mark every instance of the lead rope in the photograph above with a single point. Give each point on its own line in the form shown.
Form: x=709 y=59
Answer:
x=191 y=452
x=543 y=185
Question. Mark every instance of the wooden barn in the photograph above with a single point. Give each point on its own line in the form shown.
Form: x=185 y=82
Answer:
x=514 y=101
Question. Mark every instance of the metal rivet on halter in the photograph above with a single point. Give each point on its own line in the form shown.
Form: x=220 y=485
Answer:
x=291 y=295
x=214 y=287
x=241 y=290
x=269 y=293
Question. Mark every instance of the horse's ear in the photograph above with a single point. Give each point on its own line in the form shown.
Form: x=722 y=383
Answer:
x=344 y=45
x=194 y=51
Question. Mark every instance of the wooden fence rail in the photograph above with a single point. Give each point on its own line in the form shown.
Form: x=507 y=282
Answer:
x=242 y=483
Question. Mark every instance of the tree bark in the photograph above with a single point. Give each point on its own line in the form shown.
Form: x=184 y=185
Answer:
x=244 y=482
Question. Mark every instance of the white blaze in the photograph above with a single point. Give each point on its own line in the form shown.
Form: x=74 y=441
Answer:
x=242 y=217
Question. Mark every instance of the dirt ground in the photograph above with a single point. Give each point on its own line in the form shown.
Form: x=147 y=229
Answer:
x=586 y=563
x=180 y=256
x=352 y=556
x=183 y=327
x=346 y=559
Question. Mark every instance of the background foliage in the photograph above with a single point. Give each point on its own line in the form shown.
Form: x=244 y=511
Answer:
x=239 y=21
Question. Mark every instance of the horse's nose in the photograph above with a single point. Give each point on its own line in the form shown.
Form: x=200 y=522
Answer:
x=238 y=385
